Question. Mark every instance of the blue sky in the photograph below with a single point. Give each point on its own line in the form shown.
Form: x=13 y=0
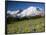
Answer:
x=23 y=5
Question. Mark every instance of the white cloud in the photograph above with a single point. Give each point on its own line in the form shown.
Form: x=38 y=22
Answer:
x=13 y=13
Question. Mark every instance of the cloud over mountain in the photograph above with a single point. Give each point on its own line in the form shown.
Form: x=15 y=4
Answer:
x=12 y=13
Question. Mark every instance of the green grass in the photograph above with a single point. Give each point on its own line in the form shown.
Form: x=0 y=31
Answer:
x=31 y=25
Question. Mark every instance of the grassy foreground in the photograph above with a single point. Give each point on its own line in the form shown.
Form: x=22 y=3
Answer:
x=26 y=26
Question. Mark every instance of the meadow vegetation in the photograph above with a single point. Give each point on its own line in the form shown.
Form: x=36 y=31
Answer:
x=26 y=25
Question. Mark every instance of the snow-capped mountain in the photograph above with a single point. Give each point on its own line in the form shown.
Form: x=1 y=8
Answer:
x=30 y=11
